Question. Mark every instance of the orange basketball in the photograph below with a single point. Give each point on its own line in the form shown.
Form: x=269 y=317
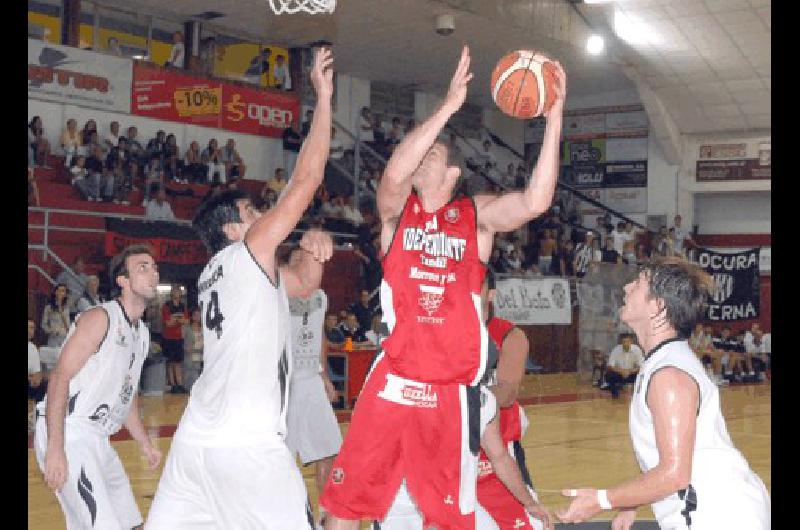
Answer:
x=523 y=84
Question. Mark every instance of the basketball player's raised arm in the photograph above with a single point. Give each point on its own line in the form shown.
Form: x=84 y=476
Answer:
x=395 y=184
x=510 y=367
x=278 y=222
x=507 y=471
x=511 y=210
x=90 y=331
x=673 y=399
x=303 y=274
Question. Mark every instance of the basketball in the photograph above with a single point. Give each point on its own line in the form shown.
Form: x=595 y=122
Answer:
x=523 y=84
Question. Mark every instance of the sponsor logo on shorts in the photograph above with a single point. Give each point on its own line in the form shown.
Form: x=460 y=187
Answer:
x=484 y=468
x=421 y=396
x=337 y=475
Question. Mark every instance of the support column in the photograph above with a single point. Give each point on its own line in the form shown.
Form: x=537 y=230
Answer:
x=70 y=22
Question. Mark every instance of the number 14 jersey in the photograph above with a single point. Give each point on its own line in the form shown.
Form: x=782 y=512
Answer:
x=240 y=398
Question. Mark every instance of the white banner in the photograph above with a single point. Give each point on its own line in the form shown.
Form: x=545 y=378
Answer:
x=526 y=301
x=765 y=260
x=79 y=77
x=624 y=149
x=626 y=200
x=588 y=126
x=626 y=121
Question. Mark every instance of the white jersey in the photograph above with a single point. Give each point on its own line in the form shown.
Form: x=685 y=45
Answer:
x=240 y=398
x=100 y=394
x=308 y=317
x=720 y=474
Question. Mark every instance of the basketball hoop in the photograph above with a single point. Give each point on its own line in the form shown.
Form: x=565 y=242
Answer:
x=312 y=7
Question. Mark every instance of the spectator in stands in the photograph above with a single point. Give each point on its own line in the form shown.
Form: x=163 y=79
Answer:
x=153 y=178
x=234 y=165
x=564 y=259
x=267 y=198
x=174 y=315
x=410 y=124
x=259 y=65
x=75 y=283
x=584 y=255
x=364 y=130
x=702 y=345
x=38 y=142
x=336 y=146
x=597 y=252
x=71 y=141
x=547 y=249
x=278 y=181
x=509 y=178
x=193 y=167
x=396 y=135
x=363 y=309
x=292 y=141
x=134 y=151
x=661 y=243
x=86 y=184
x=514 y=259
x=282 y=78
x=157 y=146
x=623 y=365
x=159 y=209
x=178 y=52
x=112 y=47
x=351 y=329
x=332 y=331
x=642 y=256
x=521 y=177
x=619 y=236
x=37 y=385
x=753 y=345
x=609 y=254
x=209 y=52
x=307 y=124
x=378 y=133
x=211 y=157
x=33 y=189
x=56 y=319
x=112 y=138
x=629 y=245
x=88 y=128
x=681 y=236
x=377 y=331
x=91 y=295
x=193 y=349
x=173 y=164
x=732 y=356
x=497 y=263
x=118 y=182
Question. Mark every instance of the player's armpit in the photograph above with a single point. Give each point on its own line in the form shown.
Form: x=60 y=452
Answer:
x=511 y=367
x=91 y=329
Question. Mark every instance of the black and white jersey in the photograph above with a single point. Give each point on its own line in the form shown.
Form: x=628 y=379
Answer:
x=308 y=317
x=100 y=394
x=241 y=396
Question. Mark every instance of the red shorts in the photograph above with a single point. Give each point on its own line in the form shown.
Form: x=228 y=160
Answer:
x=428 y=434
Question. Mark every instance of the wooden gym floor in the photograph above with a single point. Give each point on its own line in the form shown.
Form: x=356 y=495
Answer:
x=578 y=437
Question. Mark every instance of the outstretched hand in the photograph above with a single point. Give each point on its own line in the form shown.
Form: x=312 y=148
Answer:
x=541 y=513
x=561 y=91
x=583 y=507
x=322 y=72
x=457 y=93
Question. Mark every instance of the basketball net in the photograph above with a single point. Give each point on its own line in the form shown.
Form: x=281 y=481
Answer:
x=312 y=7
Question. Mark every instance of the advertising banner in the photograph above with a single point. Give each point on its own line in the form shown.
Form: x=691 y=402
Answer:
x=626 y=175
x=736 y=281
x=622 y=149
x=724 y=170
x=250 y=111
x=78 y=77
x=526 y=301
x=626 y=200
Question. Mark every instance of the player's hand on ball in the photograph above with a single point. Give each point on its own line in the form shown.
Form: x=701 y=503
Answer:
x=322 y=72
x=55 y=468
x=457 y=93
x=152 y=453
x=538 y=511
x=561 y=92
x=319 y=244
x=624 y=520
x=583 y=507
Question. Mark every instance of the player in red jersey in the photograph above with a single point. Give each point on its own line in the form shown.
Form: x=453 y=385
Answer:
x=417 y=418
x=493 y=496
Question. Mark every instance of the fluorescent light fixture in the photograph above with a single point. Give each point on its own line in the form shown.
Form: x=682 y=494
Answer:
x=634 y=30
x=595 y=45
x=138 y=57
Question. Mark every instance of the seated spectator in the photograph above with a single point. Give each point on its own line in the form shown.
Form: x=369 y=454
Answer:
x=547 y=249
x=584 y=255
x=352 y=330
x=211 y=157
x=292 y=141
x=75 y=283
x=378 y=331
x=753 y=345
x=91 y=295
x=88 y=128
x=86 y=184
x=193 y=167
x=497 y=264
x=234 y=166
x=178 y=52
x=278 y=181
x=336 y=151
x=173 y=165
x=623 y=365
x=153 y=178
x=619 y=236
x=702 y=345
x=364 y=130
x=396 y=134
x=37 y=385
x=609 y=254
x=38 y=142
x=732 y=356
x=118 y=179
x=159 y=209
x=642 y=255
x=71 y=141
x=112 y=138
x=112 y=47
x=266 y=198
x=307 y=123
x=564 y=259
x=135 y=151
x=193 y=349
x=56 y=319
x=332 y=331
x=378 y=133
x=282 y=80
x=513 y=258
x=157 y=145
x=363 y=309
x=410 y=124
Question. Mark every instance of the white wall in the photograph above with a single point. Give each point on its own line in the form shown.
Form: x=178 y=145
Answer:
x=261 y=155
x=662 y=180
x=733 y=213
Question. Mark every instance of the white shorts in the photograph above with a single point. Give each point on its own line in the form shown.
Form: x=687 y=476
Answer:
x=311 y=426
x=97 y=493
x=230 y=488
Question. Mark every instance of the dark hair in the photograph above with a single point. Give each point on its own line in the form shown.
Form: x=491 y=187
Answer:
x=215 y=213
x=53 y=302
x=119 y=263
x=33 y=120
x=684 y=287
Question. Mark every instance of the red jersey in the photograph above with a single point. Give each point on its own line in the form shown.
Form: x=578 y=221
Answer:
x=430 y=295
x=174 y=332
